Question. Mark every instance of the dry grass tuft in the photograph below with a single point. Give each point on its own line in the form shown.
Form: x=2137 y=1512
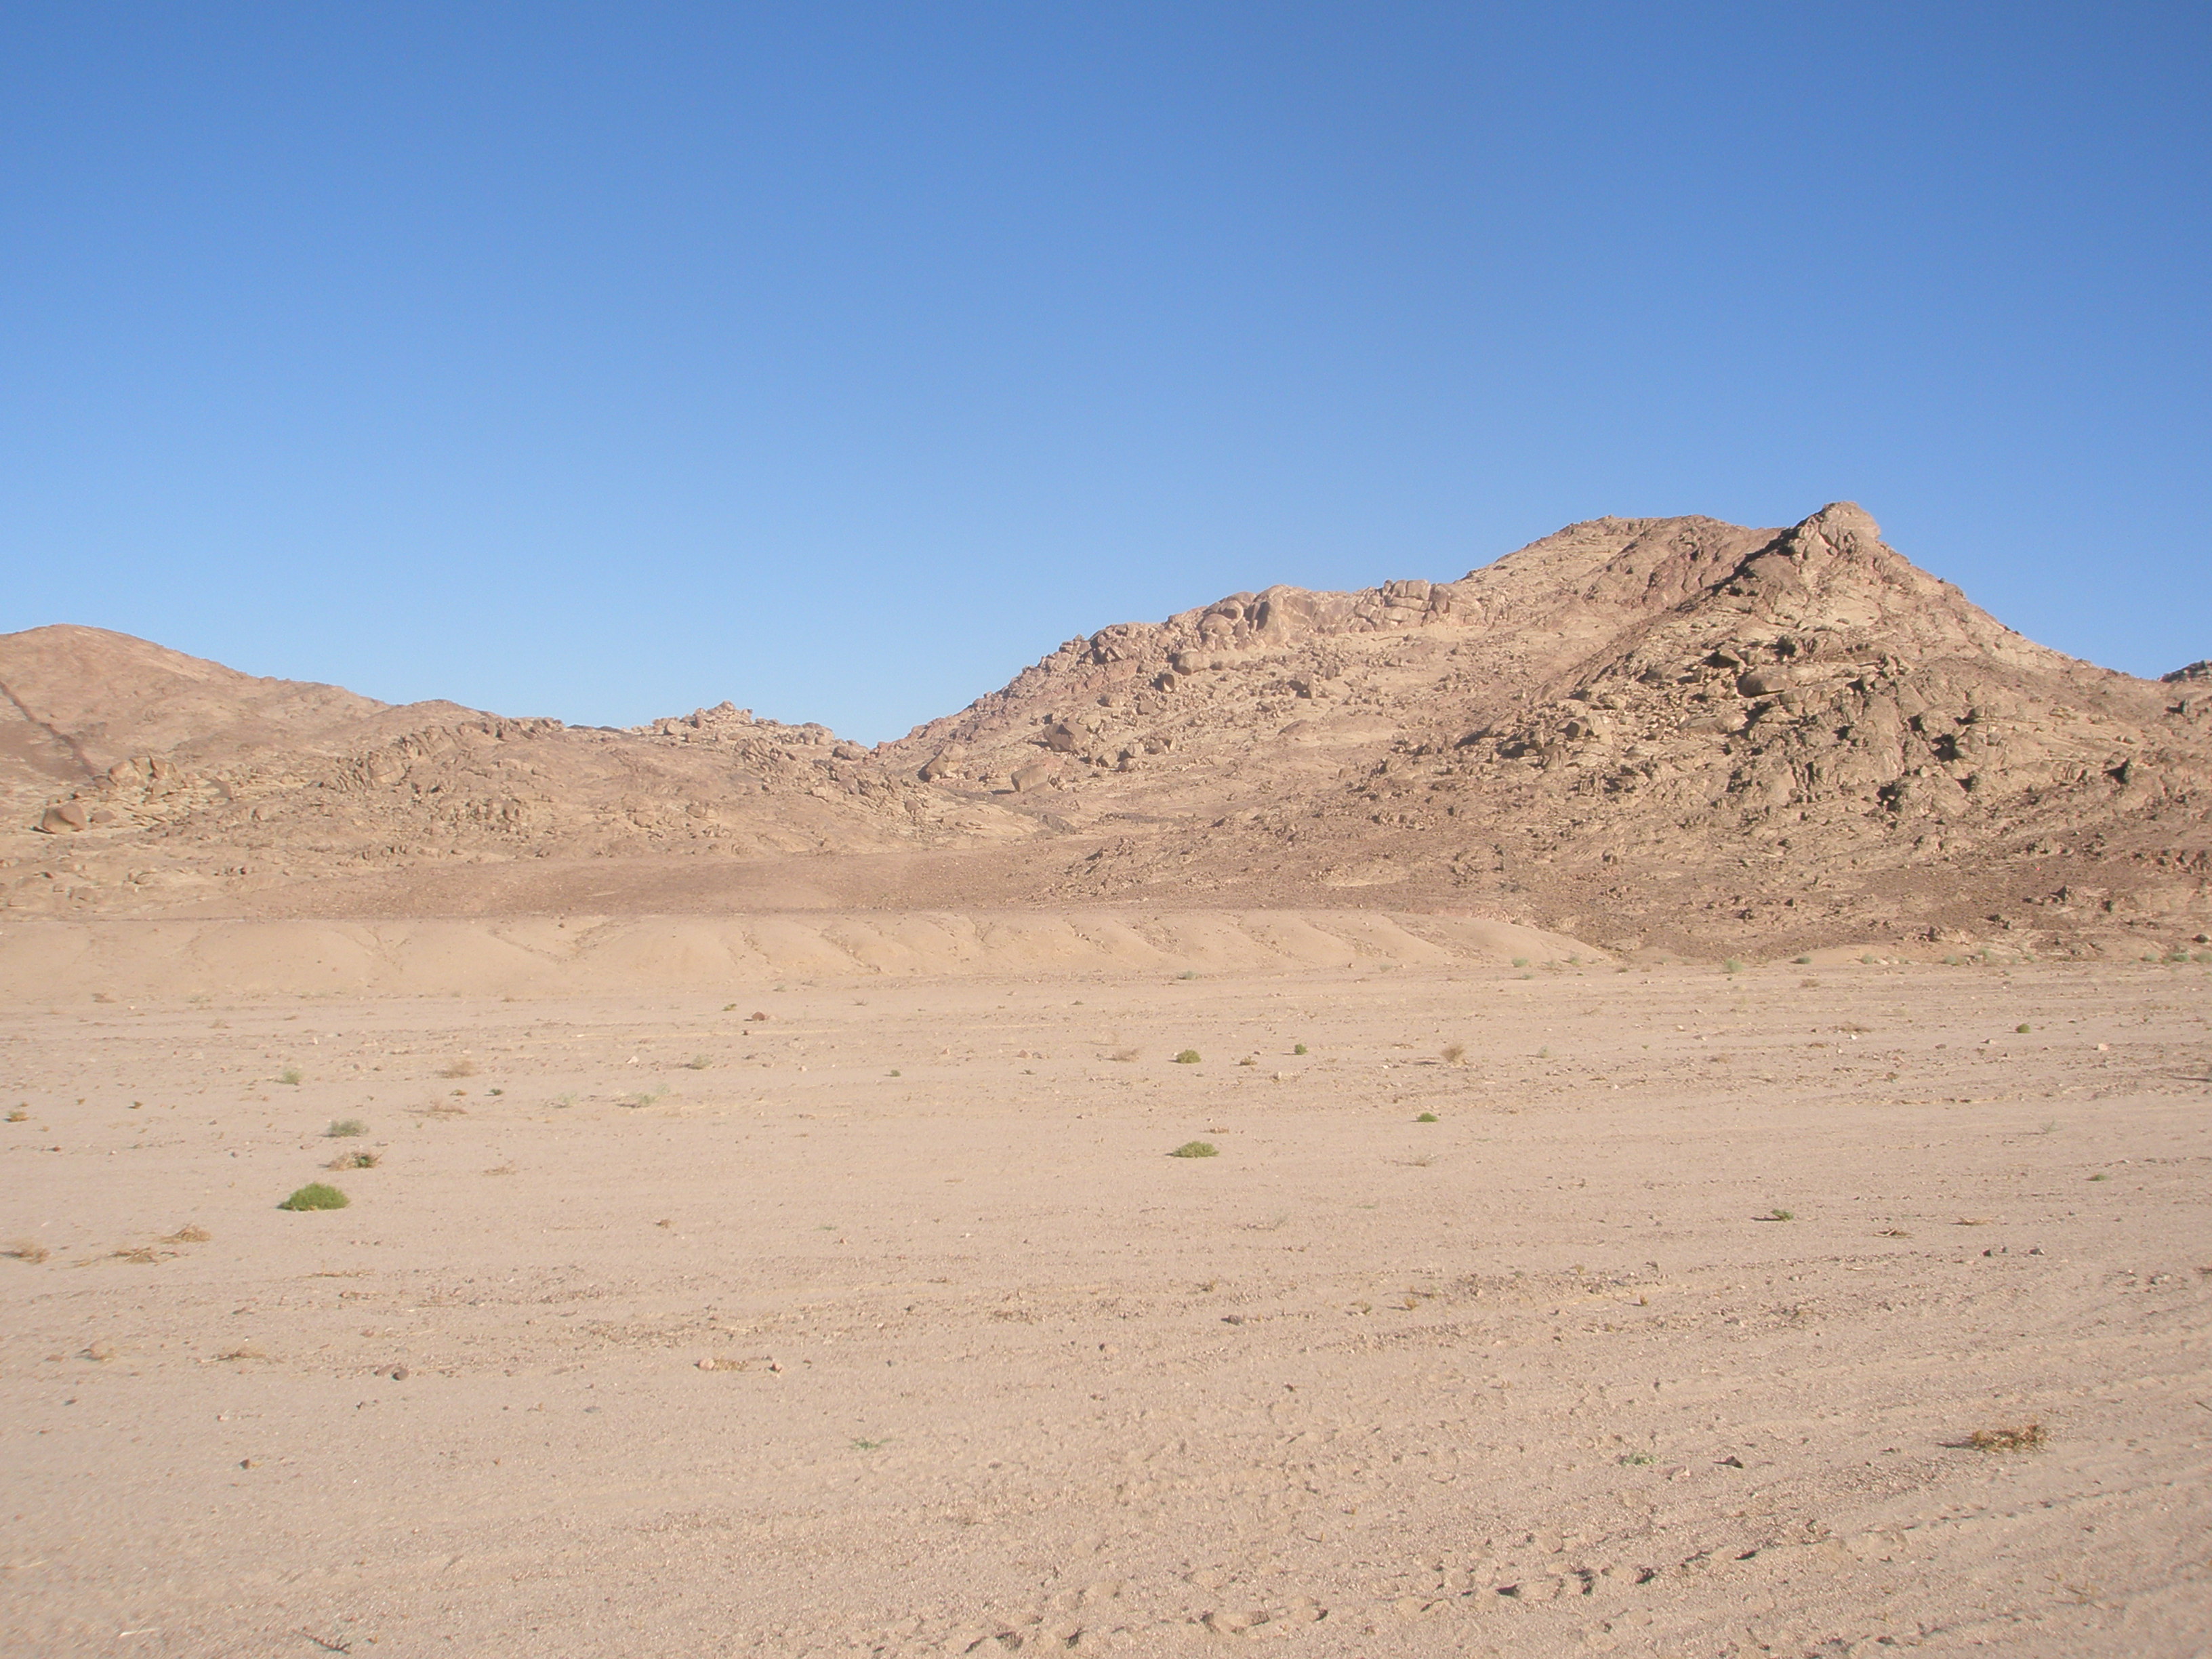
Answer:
x=2022 y=1437
x=189 y=1234
x=354 y=1161
x=28 y=1250
x=462 y=1067
x=141 y=1254
x=1454 y=1053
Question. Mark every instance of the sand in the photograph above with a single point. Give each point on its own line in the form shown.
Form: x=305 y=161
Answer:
x=889 y=1327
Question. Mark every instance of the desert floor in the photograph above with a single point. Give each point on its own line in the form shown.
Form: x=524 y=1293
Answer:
x=874 y=1316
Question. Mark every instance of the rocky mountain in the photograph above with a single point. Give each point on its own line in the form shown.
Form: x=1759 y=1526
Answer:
x=156 y=777
x=1669 y=733
x=1672 y=731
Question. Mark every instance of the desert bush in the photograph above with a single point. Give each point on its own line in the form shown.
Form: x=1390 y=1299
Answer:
x=1187 y=1057
x=345 y=1128
x=291 y=1074
x=1453 y=1053
x=462 y=1067
x=1196 y=1149
x=1428 y=1117
x=2021 y=1436
x=28 y=1250
x=354 y=1161
x=315 y=1195
x=698 y=1063
x=188 y=1234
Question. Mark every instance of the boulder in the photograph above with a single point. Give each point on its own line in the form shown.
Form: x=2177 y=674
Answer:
x=66 y=817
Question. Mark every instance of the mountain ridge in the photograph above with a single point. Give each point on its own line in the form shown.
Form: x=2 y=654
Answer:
x=1673 y=733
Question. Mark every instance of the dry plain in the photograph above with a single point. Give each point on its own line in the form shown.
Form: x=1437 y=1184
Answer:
x=869 y=1315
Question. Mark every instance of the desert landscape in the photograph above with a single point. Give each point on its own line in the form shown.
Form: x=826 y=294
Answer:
x=1650 y=1098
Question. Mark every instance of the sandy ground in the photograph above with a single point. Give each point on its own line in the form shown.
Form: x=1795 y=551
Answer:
x=889 y=1326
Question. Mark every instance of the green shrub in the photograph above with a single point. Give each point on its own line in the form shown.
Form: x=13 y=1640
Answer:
x=315 y=1195
x=1428 y=1117
x=1196 y=1149
x=344 y=1128
x=1298 y=1047
x=1187 y=1057
x=291 y=1074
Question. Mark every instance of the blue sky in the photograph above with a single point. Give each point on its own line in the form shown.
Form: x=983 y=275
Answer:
x=605 y=360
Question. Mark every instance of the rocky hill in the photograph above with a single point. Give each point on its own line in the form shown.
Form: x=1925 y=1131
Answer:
x=158 y=779
x=1672 y=733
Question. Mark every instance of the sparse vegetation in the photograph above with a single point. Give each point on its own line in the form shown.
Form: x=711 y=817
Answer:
x=462 y=1067
x=698 y=1063
x=291 y=1074
x=1519 y=962
x=1298 y=1047
x=643 y=1097
x=1196 y=1149
x=1428 y=1117
x=2019 y=1437
x=1453 y=1053
x=2021 y=1028
x=141 y=1254
x=188 y=1234
x=1776 y=1215
x=1732 y=966
x=28 y=1250
x=1187 y=1057
x=345 y=1128
x=316 y=1195
x=354 y=1161
x=18 y=1116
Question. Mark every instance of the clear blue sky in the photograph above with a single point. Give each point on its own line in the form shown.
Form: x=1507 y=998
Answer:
x=602 y=360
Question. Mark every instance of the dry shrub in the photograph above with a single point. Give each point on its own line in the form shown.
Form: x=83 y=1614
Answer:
x=1454 y=1053
x=2022 y=1437
x=462 y=1067
x=189 y=1234
x=28 y=1250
